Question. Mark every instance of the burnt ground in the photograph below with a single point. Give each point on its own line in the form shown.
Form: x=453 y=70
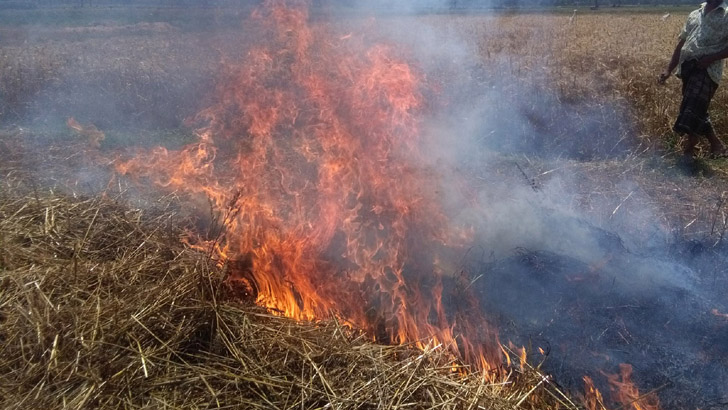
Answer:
x=612 y=261
x=652 y=311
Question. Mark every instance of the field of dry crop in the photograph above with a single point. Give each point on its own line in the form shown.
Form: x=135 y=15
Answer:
x=602 y=69
x=101 y=304
x=589 y=59
x=155 y=69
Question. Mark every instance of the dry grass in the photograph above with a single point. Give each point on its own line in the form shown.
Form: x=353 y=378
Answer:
x=102 y=307
x=609 y=62
x=605 y=59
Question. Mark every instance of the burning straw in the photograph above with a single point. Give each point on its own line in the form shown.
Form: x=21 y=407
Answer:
x=102 y=306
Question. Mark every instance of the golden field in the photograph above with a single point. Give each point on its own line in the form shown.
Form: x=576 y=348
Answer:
x=102 y=306
x=589 y=58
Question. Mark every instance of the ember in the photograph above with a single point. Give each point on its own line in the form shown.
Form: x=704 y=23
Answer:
x=626 y=393
x=89 y=131
x=593 y=398
x=715 y=312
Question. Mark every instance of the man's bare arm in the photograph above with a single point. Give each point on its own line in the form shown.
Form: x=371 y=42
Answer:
x=673 y=62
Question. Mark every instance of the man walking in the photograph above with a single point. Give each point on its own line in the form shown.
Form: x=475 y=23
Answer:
x=699 y=54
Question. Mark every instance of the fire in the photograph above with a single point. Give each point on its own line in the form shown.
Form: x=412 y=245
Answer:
x=593 y=399
x=312 y=155
x=626 y=393
x=311 y=161
x=718 y=313
x=90 y=131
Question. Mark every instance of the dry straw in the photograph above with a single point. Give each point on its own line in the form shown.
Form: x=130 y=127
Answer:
x=101 y=306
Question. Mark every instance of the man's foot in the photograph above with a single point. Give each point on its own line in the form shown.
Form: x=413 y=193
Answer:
x=721 y=152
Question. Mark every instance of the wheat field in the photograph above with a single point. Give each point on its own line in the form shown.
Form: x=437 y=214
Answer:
x=583 y=83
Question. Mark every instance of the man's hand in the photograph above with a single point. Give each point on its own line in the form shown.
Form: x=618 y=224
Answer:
x=663 y=77
x=705 y=62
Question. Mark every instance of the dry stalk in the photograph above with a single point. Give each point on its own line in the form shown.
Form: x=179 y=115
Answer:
x=102 y=306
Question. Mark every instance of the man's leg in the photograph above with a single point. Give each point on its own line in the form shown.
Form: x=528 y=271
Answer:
x=716 y=145
x=690 y=144
x=698 y=89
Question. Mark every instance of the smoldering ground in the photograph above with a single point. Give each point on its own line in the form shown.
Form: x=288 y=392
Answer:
x=593 y=284
x=592 y=301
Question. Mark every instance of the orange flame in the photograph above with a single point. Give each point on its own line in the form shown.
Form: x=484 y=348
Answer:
x=90 y=131
x=312 y=151
x=717 y=313
x=626 y=393
x=593 y=398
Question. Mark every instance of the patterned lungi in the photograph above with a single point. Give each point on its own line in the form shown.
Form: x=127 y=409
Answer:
x=697 y=90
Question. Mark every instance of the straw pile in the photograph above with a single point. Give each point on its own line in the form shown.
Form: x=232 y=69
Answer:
x=101 y=306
